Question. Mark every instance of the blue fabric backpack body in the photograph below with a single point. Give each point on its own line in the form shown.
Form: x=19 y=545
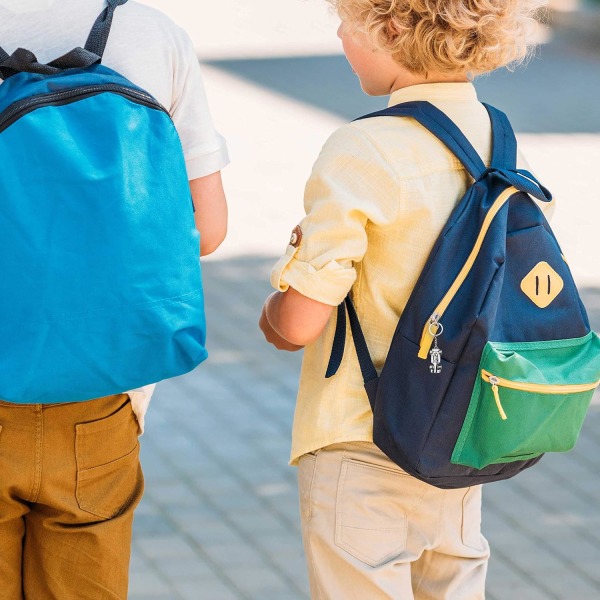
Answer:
x=101 y=287
x=493 y=361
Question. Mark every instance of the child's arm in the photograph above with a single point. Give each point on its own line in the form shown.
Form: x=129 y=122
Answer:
x=211 y=211
x=351 y=185
x=290 y=320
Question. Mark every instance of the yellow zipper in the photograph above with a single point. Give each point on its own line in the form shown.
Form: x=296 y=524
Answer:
x=536 y=388
x=432 y=326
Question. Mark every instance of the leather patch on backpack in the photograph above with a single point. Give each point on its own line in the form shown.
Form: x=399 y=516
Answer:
x=542 y=284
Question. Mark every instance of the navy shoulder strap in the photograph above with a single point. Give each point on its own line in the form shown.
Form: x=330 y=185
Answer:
x=440 y=125
x=504 y=142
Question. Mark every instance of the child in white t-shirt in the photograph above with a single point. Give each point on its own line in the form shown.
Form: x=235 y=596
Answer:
x=66 y=507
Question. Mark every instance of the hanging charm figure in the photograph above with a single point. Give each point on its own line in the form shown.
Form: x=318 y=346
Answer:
x=436 y=354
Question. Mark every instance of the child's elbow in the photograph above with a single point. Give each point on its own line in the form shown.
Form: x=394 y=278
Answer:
x=210 y=242
x=299 y=335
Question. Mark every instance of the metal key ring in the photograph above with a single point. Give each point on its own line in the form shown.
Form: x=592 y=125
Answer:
x=440 y=329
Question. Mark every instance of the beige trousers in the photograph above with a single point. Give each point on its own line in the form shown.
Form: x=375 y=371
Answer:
x=70 y=479
x=373 y=532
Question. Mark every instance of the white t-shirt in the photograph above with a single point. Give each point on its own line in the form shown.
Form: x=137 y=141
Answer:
x=146 y=47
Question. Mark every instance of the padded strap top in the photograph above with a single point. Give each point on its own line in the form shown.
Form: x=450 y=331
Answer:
x=504 y=142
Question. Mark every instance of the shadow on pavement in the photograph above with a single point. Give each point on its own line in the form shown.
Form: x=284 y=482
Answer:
x=556 y=93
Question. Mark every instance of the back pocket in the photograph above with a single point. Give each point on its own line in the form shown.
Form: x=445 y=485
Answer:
x=372 y=509
x=529 y=398
x=108 y=470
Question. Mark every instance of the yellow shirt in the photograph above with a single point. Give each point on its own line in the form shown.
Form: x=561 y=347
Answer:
x=379 y=195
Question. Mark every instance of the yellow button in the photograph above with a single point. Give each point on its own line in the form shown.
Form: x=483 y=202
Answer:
x=542 y=284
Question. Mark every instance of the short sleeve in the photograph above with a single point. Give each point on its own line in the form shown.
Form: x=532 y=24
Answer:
x=204 y=148
x=351 y=186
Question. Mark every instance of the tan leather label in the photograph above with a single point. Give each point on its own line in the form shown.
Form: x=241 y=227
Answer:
x=542 y=284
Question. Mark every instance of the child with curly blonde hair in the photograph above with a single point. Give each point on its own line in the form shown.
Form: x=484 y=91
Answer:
x=378 y=197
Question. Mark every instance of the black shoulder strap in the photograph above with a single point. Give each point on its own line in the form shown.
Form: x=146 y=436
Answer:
x=25 y=61
x=96 y=42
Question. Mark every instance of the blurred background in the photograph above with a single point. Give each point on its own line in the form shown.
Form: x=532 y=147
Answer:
x=219 y=519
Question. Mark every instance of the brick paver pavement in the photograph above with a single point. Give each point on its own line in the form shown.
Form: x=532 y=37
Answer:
x=219 y=519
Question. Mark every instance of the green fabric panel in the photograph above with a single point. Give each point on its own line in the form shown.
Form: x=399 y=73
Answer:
x=553 y=362
x=536 y=423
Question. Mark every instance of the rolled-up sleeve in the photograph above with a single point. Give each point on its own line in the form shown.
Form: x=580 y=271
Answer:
x=351 y=185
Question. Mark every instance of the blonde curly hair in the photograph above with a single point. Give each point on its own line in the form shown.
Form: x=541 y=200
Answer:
x=446 y=36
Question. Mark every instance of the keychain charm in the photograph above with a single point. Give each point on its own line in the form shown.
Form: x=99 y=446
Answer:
x=435 y=352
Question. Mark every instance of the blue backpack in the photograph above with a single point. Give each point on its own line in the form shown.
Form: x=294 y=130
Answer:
x=101 y=288
x=493 y=362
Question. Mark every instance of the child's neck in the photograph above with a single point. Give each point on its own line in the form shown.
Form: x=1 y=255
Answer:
x=407 y=79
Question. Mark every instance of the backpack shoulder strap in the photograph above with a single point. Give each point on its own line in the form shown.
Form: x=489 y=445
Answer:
x=367 y=368
x=504 y=142
x=25 y=61
x=504 y=157
x=96 y=42
x=440 y=125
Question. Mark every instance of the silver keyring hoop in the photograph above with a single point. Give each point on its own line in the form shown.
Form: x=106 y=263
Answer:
x=440 y=329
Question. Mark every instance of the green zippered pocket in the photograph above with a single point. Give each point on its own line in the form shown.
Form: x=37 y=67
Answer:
x=529 y=398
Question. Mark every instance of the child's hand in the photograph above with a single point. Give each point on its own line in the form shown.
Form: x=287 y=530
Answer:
x=272 y=336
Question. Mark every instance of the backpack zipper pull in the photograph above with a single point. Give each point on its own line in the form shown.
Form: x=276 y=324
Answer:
x=495 y=381
x=435 y=329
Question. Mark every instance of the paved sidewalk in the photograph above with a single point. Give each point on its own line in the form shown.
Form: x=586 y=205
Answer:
x=219 y=520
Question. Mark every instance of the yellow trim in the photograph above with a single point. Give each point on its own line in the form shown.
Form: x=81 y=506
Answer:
x=541 y=388
x=427 y=337
x=496 y=393
x=537 y=388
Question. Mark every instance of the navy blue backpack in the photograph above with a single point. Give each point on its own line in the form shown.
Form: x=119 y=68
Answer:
x=493 y=362
x=100 y=287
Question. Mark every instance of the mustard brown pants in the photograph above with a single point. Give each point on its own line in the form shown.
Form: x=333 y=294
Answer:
x=70 y=479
